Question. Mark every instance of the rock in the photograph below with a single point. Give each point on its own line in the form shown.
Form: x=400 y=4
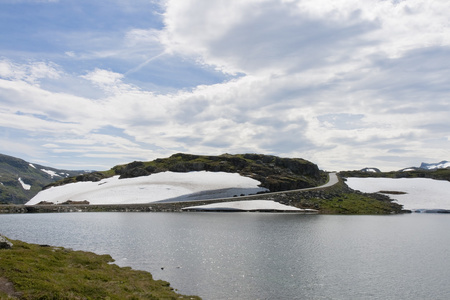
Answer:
x=71 y=202
x=4 y=243
x=94 y=176
x=45 y=203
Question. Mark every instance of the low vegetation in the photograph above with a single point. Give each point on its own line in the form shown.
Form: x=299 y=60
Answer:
x=439 y=174
x=29 y=271
x=356 y=203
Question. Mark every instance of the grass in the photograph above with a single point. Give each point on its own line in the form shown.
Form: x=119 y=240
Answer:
x=340 y=199
x=354 y=203
x=45 y=272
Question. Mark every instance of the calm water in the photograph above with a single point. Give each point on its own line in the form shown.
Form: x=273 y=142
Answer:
x=262 y=256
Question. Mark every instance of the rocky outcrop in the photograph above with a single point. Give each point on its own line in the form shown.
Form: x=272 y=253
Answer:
x=274 y=173
x=71 y=202
x=4 y=243
x=93 y=176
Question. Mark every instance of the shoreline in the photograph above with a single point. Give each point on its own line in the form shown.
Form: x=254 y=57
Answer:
x=33 y=271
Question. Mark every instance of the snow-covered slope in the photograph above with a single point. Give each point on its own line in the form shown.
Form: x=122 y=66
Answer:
x=421 y=193
x=155 y=187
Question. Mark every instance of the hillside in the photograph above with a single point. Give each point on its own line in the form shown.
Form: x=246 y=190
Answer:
x=20 y=180
x=274 y=173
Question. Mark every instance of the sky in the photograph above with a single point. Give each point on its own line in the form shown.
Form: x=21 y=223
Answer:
x=345 y=84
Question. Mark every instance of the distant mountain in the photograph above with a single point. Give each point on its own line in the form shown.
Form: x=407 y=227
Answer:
x=429 y=166
x=21 y=180
x=441 y=165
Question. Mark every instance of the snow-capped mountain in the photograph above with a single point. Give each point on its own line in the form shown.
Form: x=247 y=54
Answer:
x=429 y=166
x=433 y=166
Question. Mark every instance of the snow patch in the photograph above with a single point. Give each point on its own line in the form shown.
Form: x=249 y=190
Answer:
x=50 y=172
x=31 y=165
x=24 y=185
x=248 y=205
x=146 y=189
x=421 y=193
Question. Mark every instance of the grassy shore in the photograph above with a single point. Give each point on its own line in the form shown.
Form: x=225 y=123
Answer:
x=29 y=271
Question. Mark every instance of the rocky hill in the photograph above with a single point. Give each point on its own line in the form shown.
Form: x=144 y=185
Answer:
x=21 y=180
x=274 y=173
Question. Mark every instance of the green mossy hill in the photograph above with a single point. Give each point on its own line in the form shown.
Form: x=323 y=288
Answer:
x=439 y=174
x=12 y=168
x=29 y=271
x=274 y=173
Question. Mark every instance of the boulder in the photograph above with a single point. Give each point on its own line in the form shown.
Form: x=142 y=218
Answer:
x=4 y=243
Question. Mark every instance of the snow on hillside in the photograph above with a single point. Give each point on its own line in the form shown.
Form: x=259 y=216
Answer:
x=145 y=189
x=51 y=173
x=24 y=185
x=422 y=193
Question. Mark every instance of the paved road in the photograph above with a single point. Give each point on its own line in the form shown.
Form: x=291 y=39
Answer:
x=332 y=180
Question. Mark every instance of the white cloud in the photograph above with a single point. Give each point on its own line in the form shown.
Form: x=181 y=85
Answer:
x=277 y=36
x=341 y=83
x=30 y=73
x=103 y=77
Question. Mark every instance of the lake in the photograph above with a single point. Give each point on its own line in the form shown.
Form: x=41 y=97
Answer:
x=262 y=255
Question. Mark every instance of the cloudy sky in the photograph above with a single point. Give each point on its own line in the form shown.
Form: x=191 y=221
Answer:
x=346 y=84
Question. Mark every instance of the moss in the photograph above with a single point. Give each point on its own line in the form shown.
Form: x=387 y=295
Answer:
x=355 y=203
x=44 y=272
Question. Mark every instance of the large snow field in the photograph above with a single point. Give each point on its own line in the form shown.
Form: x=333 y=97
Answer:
x=155 y=187
x=422 y=193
